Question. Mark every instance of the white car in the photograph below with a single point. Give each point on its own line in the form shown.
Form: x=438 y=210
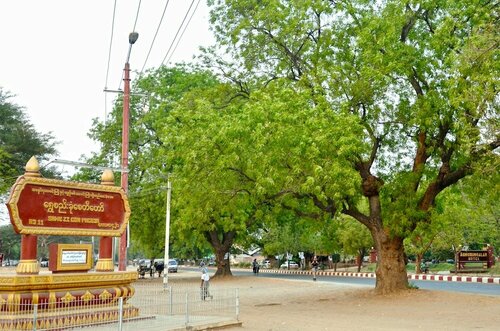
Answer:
x=266 y=264
x=289 y=265
x=172 y=265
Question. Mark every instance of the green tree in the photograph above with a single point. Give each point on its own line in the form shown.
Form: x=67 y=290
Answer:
x=234 y=162
x=471 y=214
x=10 y=245
x=148 y=163
x=419 y=77
x=355 y=239
x=19 y=141
x=421 y=240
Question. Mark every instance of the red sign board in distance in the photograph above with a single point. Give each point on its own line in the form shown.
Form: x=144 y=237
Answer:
x=49 y=206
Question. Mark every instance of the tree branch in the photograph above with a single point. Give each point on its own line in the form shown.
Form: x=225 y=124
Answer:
x=357 y=215
x=408 y=25
x=420 y=159
x=241 y=173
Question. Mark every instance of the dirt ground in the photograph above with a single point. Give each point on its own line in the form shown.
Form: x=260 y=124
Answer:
x=271 y=304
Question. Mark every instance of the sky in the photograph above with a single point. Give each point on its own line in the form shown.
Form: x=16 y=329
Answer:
x=55 y=56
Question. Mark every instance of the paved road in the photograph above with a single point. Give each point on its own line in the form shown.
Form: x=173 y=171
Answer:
x=464 y=287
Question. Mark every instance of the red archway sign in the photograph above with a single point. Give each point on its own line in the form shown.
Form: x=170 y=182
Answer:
x=55 y=207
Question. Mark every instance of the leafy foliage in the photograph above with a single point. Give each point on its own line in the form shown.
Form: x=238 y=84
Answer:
x=19 y=141
x=148 y=164
x=418 y=77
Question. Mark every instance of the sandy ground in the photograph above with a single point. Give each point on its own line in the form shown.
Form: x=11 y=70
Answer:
x=270 y=304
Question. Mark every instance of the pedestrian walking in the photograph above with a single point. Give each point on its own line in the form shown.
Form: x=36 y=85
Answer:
x=205 y=285
x=315 y=265
x=255 y=266
x=151 y=269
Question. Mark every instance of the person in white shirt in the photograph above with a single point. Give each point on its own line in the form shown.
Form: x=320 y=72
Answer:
x=205 y=284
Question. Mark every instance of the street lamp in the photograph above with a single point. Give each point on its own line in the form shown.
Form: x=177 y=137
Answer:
x=132 y=38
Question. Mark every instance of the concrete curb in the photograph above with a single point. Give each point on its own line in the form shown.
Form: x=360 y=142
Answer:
x=443 y=278
x=468 y=279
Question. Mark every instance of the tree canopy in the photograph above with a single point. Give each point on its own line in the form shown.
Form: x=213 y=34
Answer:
x=19 y=141
x=418 y=77
x=148 y=163
x=370 y=109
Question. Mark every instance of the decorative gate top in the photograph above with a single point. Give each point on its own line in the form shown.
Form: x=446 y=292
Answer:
x=56 y=207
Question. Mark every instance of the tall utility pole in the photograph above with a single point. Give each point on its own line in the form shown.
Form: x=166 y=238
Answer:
x=132 y=38
x=167 y=235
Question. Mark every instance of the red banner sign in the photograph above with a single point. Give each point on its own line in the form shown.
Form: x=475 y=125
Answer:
x=56 y=207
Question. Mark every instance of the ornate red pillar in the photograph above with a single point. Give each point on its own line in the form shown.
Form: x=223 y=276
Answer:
x=28 y=263
x=105 y=261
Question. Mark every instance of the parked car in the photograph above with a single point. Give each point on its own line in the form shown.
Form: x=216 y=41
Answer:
x=289 y=264
x=172 y=265
x=266 y=264
x=10 y=263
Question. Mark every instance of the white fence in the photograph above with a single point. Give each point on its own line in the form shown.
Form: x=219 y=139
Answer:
x=151 y=308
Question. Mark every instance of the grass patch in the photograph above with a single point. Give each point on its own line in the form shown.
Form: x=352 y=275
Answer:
x=441 y=267
x=370 y=267
x=412 y=286
x=495 y=270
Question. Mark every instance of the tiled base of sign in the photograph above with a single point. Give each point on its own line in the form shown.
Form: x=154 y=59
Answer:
x=66 y=320
x=64 y=299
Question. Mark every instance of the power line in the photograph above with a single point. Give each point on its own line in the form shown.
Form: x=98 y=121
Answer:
x=177 y=33
x=185 y=28
x=109 y=60
x=110 y=44
x=137 y=15
x=154 y=38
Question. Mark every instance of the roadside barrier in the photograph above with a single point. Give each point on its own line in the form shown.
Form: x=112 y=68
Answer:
x=444 y=278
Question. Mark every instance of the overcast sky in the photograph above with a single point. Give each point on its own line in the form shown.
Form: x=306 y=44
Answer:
x=55 y=53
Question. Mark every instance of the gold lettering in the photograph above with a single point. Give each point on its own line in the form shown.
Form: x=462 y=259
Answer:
x=33 y=221
x=66 y=205
x=90 y=220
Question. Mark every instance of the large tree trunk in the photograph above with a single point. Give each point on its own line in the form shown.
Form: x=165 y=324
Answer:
x=223 y=266
x=221 y=244
x=391 y=269
x=418 y=262
x=361 y=255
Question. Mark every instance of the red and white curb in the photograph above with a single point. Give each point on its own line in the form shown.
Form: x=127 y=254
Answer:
x=442 y=278
x=468 y=279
